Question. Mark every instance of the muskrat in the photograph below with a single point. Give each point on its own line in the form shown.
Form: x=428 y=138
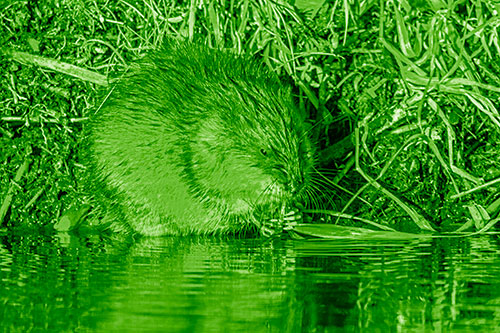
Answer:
x=194 y=140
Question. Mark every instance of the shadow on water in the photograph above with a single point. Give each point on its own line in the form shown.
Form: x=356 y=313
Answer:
x=225 y=284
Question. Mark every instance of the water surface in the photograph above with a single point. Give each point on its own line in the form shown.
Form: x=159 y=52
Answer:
x=65 y=283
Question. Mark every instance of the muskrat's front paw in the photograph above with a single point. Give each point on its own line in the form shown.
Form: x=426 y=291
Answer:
x=291 y=220
x=270 y=228
x=274 y=227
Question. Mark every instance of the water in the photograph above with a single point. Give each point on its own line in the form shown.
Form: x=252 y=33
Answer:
x=64 y=283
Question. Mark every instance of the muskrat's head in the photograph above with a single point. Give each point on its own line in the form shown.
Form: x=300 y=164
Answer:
x=252 y=151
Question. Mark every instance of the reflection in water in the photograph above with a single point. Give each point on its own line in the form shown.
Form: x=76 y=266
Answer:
x=218 y=284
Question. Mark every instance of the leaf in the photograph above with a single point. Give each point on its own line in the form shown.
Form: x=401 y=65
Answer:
x=71 y=218
x=332 y=231
x=309 y=7
x=479 y=215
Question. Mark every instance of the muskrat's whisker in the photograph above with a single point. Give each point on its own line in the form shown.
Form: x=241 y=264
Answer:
x=308 y=131
x=269 y=190
x=329 y=181
x=315 y=202
x=322 y=189
x=309 y=198
x=313 y=197
x=326 y=172
x=322 y=185
x=319 y=183
x=317 y=187
x=319 y=202
x=304 y=197
x=262 y=195
x=320 y=174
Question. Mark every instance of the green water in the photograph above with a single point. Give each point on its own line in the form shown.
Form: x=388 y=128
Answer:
x=68 y=284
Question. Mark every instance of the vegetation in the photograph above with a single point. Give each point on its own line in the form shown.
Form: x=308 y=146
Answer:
x=407 y=90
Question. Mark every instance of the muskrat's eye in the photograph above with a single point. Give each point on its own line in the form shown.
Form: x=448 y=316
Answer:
x=263 y=151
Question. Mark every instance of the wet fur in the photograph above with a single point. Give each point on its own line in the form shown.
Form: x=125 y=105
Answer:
x=194 y=140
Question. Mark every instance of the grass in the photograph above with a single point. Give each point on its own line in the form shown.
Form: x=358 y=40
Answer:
x=408 y=91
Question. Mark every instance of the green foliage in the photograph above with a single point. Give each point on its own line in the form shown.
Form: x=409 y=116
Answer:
x=419 y=80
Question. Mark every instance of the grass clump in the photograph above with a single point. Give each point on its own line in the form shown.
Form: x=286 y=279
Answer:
x=402 y=96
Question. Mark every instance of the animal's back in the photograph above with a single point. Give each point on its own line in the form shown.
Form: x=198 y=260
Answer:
x=191 y=137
